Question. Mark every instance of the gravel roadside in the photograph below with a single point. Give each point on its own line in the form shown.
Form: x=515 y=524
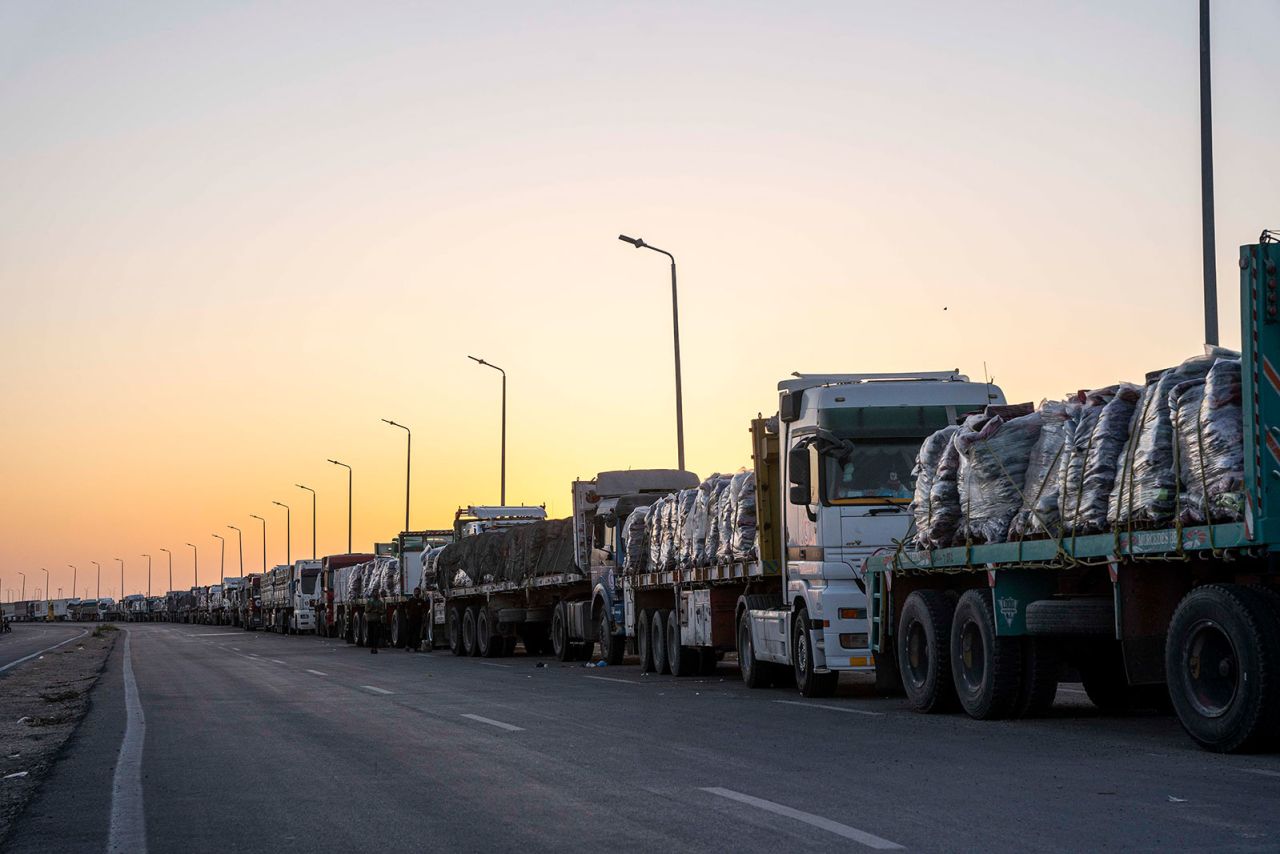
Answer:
x=41 y=704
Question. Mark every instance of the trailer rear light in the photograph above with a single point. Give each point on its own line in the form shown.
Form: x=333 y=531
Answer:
x=854 y=640
x=853 y=613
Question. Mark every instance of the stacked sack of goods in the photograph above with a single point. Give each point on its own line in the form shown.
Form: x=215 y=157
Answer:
x=713 y=523
x=1115 y=457
x=381 y=574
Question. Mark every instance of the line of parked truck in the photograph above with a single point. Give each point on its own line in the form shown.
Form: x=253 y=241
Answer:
x=807 y=565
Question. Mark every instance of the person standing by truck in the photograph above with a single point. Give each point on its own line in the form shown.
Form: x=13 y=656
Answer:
x=374 y=612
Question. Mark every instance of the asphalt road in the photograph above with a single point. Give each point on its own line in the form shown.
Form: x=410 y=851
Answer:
x=28 y=639
x=256 y=742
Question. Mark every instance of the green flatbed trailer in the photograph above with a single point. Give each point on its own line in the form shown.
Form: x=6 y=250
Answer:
x=1185 y=616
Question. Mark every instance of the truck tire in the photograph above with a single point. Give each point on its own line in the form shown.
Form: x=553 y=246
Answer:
x=1040 y=667
x=808 y=680
x=612 y=646
x=560 y=645
x=658 y=641
x=987 y=670
x=488 y=643
x=755 y=673
x=454 y=631
x=924 y=651
x=470 y=641
x=1082 y=616
x=1222 y=660
x=644 y=643
x=683 y=660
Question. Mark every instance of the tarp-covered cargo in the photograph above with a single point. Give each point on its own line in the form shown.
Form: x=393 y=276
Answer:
x=516 y=554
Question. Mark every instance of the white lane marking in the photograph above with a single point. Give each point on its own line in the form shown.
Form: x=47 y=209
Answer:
x=276 y=660
x=498 y=724
x=128 y=823
x=253 y=655
x=210 y=635
x=860 y=836
x=376 y=690
x=611 y=679
x=317 y=672
x=1263 y=771
x=492 y=664
x=43 y=651
x=236 y=648
x=830 y=708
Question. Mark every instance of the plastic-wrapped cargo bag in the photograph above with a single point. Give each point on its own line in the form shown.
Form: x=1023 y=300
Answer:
x=1038 y=514
x=633 y=540
x=1147 y=486
x=1211 y=445
x=1103 y=461
x=685 y=501
x=727 y=519
x=944 y=500
x=993 y=469
x=744 y=525
x=1075 y=453
x=698 y=522
x=926 y=468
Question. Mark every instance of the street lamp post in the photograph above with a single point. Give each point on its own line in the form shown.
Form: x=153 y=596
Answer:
x=408 y=462
x=148 y=557
x=22 y=597
x=349 y=493
x=46 y=587
x=675 y=327
x=503 y=500
x=170 y=554
x=99 y=566
x=222 y=560
x=288 y=532
x=73 y=579
x=313 y=517
x=264 y=540
x=240 y=537
x=1207 y=236
x=195 y=556
x=121 y=578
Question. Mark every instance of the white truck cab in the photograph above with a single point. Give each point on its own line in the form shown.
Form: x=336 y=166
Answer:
x=848 y=446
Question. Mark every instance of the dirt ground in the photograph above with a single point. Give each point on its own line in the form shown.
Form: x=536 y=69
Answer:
x=41 y=704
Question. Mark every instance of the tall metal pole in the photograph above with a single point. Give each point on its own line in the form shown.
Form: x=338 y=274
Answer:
x=503 y=499
x=22 y=597
x=264 y=540
x=313 y=517
x=240 y=538
x=73 y=579
x=121 y=578
x=1206 y=184
x=195 y=556
x=349 y=494
x=675 y=330
x=222 y=561
x=99 y=566
x=288 y=532
x=170 y=554
x=46 y=591
x=148 y=557
x=409 y=458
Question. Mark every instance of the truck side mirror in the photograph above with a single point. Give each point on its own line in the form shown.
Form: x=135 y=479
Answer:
x=801 y=491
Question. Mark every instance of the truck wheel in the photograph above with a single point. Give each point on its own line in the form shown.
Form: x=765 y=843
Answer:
x=987 y=669
x=683 y=660
x=658 y=641
x=922 y=651
x=485 y=640
x=1221 y=659
x=560 y=645
x=454 y=630
x=644 y=643
x=808 y=680
x=755 y=673
x=470 y=646
x=611 y=646
x=1081 y=616
x=1040 y=666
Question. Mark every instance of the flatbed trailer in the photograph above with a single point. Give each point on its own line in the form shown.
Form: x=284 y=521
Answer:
x=1187 y=616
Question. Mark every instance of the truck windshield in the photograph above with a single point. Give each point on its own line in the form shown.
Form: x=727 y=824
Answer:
x=875 y=471
x=309 y=584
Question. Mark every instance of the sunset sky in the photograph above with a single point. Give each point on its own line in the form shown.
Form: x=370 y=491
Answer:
x=234 y=236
